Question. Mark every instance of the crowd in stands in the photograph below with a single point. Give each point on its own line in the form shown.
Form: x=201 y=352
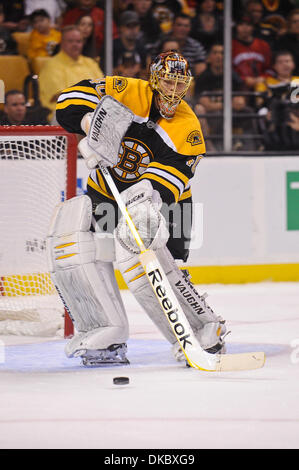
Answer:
x=63 y=42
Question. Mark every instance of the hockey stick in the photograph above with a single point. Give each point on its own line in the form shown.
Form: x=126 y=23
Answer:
x=196 y=357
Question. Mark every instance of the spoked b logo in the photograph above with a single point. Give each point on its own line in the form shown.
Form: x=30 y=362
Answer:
x=134 y=157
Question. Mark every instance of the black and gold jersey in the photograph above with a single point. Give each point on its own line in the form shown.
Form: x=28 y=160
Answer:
x=166 y=152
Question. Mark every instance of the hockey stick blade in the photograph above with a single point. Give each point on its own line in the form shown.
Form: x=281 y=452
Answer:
x=196 y=357
x=241 y=361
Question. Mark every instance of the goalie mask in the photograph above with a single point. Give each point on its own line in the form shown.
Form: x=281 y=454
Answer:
x=170 y=77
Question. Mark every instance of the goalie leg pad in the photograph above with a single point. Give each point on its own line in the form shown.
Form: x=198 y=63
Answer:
x=208 y=327
x=86 y=284
x=137 y=282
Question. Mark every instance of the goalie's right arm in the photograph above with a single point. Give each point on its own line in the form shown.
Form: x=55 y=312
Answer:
x=76 y=101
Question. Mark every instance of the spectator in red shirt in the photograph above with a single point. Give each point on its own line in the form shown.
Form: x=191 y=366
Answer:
x=251 y=56
x=88 y=7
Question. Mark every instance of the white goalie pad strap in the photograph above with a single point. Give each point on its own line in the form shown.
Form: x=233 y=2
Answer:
x=87 y=287
x=109 y=123
x=143 y=204
x=105 y=248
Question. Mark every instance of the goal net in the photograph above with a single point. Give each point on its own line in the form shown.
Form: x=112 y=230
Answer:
x=38 y=170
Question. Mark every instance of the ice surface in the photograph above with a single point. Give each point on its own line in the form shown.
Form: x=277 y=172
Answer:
x=49 y=401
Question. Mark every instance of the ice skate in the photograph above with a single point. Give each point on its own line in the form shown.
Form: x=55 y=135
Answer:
x=115 y=354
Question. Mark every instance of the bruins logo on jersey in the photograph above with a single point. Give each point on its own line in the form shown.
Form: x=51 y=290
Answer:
x=119 y=84
x=194 y=138
x=134 y=157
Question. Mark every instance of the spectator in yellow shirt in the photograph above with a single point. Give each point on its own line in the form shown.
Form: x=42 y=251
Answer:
x=64 y=69
x=43 y=38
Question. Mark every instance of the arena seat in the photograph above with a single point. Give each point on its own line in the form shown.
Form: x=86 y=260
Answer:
x=14 y=70
x=22 y=40
x=37 y=64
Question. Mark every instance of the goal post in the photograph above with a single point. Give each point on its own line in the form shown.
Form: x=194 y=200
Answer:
x=37 y=171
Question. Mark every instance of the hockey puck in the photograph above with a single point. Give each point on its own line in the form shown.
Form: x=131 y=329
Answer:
x=121 y=380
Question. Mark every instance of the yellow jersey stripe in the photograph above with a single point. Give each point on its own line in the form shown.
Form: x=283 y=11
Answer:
x=165 y=175
x=172 y=188
x=185 y=195
x=170 y=169
x=76 y=102
x=101 y=181
x=97 y=188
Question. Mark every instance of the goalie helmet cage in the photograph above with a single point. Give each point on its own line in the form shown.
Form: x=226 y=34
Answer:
x=38 y=170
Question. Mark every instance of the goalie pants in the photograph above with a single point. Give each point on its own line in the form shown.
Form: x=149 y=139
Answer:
x=107 y=214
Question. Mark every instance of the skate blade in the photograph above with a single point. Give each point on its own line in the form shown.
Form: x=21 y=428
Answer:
x=89 y=363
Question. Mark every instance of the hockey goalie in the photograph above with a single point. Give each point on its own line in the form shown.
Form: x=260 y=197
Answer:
x=151 y=142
